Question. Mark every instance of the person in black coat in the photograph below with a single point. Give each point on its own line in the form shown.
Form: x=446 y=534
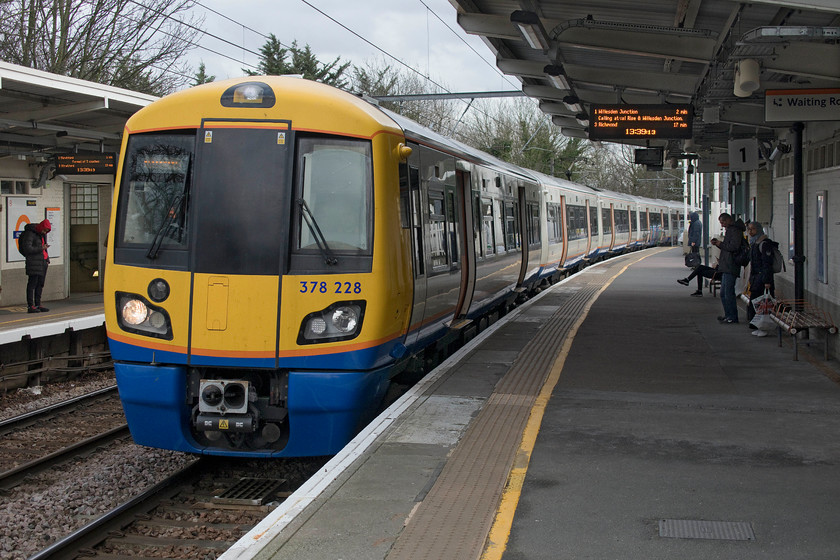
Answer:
x=728 y=268
x=761 y=265
x=32 y=244
x=695 y=238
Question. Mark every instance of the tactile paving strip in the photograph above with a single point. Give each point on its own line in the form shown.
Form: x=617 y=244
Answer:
x=453 y=520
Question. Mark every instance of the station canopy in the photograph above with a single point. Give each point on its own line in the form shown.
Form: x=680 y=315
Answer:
x=717 y=56
x=43 y=114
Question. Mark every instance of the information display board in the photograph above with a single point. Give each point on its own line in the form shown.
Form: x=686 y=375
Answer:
x=627 y=122
x=78 y=164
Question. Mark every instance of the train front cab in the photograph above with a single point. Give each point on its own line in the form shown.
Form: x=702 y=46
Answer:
x=265 y=266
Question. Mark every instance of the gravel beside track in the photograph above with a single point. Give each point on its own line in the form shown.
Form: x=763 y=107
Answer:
x=21 y=401
x=57 y=502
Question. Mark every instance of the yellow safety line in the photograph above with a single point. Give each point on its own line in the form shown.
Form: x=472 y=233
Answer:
x=499 y=534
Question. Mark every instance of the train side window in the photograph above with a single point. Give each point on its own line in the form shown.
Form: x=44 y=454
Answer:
x=553 y=219
x=487 y=228
x=534 y=235
x=452 y=226
x=633 y=218
x=478 y=234
x=606 y=220
x=405 y=197
x=593 y=220
x=437 y=231
x=511 y=227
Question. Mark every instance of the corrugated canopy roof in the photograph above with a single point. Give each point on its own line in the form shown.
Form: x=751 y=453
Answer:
x=569 y=54
x=45 y=114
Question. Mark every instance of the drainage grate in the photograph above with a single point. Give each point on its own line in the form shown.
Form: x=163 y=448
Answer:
x=249 y=492
x=693 y=529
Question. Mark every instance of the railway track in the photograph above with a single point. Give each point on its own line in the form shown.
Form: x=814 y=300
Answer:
x=42 y=439
x=198 y=512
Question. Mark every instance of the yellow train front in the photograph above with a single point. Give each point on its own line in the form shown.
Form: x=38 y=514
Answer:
x=258 y=282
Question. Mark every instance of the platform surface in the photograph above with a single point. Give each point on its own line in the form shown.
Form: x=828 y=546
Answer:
x=79 y=311
x=649 y=431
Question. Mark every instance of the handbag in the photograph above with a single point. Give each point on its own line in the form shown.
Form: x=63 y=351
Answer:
x=692 y=260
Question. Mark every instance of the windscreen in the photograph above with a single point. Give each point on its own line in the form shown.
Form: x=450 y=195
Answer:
x=154 y=194
x=334 y=183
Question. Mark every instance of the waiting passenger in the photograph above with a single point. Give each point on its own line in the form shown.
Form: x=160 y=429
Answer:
x=729 y=269
x=761 y=265
x=700 y=271
x=32 y=244
x=695 y=236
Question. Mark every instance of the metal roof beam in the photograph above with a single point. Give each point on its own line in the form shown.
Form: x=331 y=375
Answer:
x=465 y=95
x=498 y=27
x=816 y=5
x=684 y=84
x=639 y=43
x=76 y=132
x=58 y=111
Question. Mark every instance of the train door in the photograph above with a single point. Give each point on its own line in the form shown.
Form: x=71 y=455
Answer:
x=410 y=182
x=589 y=230
x=468 y=253
x=241 y=200
x=523 y=233
x=612 y=226
x=564 y=231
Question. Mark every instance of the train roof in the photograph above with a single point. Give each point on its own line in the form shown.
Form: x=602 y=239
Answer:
x=318 y=107
x=450 y=145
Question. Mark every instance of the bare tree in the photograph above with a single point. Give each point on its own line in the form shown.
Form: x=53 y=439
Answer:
x=376 y=77
x=518 y=132
x=124 y=43
x=613 y=168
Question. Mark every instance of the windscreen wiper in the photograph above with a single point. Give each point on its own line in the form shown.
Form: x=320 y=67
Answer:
x=320 y=240
x=174 y=209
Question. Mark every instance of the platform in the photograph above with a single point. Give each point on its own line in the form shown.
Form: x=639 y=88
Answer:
x=611 y=417
x=79 y=311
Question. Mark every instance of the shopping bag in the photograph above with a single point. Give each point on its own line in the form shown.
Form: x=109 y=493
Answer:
x=764 y=322
x=764 y=303
x=763 y=306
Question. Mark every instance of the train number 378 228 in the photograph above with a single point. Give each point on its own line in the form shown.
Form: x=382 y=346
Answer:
x=312 y=287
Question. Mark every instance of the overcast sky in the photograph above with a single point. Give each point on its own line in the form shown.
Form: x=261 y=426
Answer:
x=405 y=29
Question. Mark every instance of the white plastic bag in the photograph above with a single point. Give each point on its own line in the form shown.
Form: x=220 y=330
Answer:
x=763 y=306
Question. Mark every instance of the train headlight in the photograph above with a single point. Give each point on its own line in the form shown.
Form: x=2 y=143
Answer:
x=136 y=314
x=345 y=318
x=158 y=290
x=340 y=321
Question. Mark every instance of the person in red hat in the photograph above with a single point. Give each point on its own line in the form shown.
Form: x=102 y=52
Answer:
x=33 y=245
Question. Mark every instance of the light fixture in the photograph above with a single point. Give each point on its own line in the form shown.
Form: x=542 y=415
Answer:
x=531 y=28
x=747 y=73
x=573 y=133
x=556 y=77
x=562 y=121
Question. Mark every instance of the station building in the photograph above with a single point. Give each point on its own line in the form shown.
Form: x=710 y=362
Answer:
x=58 y=142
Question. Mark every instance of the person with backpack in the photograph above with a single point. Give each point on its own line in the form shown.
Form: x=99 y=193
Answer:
x=729 y=264
x=32 y=244
x=761 y=265
x=695 y=238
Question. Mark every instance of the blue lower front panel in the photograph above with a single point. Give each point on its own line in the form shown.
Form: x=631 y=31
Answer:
x=325 y=409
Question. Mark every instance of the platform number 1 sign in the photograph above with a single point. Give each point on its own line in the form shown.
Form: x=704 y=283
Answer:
x=743 y=154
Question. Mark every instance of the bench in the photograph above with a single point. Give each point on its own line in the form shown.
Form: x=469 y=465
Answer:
x=798 y=316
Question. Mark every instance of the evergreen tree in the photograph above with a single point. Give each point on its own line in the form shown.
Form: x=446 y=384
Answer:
x=273 y=62
x=201 y=76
